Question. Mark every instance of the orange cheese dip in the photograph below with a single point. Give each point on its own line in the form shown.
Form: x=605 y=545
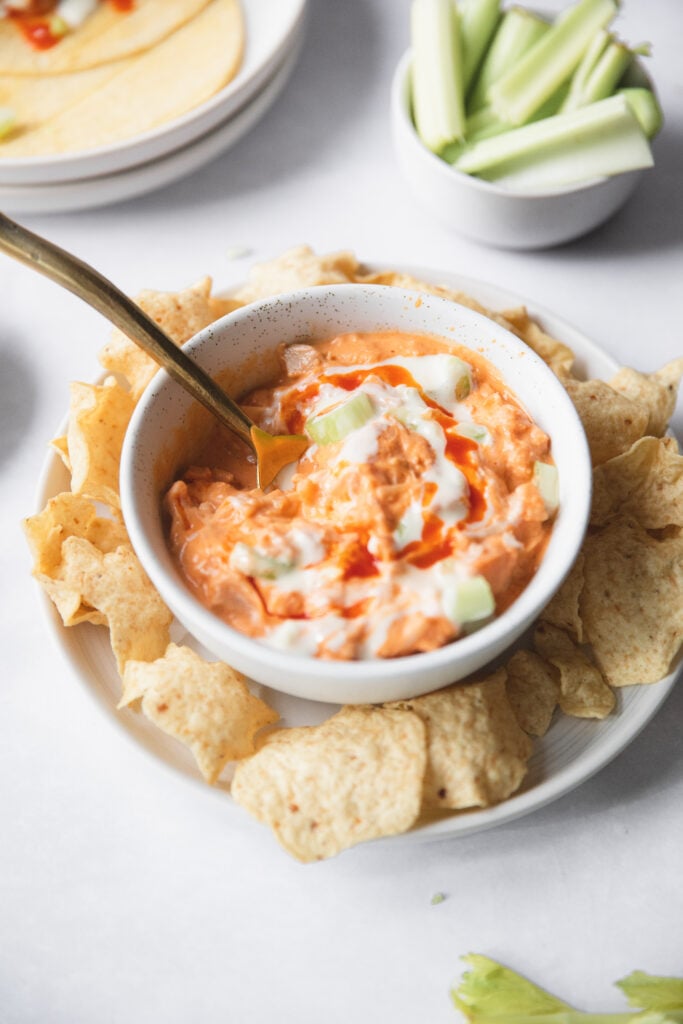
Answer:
x=413 y=517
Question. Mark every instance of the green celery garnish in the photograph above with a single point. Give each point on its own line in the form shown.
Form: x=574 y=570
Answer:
x=490 y=993
x=7 y=121
x=330 y=427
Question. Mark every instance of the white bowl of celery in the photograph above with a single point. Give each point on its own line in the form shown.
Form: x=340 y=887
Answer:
x=520 y=131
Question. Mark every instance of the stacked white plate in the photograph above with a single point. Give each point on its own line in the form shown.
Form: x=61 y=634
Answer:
x=108 y=174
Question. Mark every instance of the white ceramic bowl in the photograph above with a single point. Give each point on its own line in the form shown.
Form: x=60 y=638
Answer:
x=245 y=343
x=488 y=212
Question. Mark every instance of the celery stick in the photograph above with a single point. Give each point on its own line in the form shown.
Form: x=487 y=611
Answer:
x=644 y=105
x=517 y=32
x=605 y=76
x=586 y=66
x=485 y=123
x=437 y=89
x=478 y=21
x=604 y=138
x=551 y=61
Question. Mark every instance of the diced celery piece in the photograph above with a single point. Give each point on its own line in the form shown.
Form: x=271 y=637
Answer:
x=437 y=83
x=478 y=22
x=551 y=61
x=471 y=600
x=330 y=427
x=452 y=379
x=646 y=109
x=474 y=431
x=58 y=27
x=601 y=139
x=517 y=32
x=8 y=120
x=251 y=562
x=547 y=482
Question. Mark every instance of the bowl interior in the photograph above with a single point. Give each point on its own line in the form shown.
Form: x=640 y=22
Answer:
x=167 y=429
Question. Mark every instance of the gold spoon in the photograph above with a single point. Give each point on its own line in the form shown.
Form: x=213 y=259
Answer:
x=272 y=452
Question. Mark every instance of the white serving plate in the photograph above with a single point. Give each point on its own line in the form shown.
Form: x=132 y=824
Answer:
x=272 y=31
x=102 y=190
x=571 y=752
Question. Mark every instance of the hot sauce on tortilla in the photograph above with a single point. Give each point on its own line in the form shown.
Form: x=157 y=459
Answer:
x=414 y=517
x=39 y=23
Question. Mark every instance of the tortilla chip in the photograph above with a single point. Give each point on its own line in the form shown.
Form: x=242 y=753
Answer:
x=558 y=356
x=297 y=268
x=98 y=419
x=533 y=689
x=180 y=314
x=107 y=35
x=142 y=93
x=61 y=446
x=563 y=610
x=114 y=584
x=477 y=752
x=205 y=705
x=612 y=421
x=656 y=391
x=632 y=601
x=69 y=515
x=583 y=691
x=324 y=788
x=645 y=483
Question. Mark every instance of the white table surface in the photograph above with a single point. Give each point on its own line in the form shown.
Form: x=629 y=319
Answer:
x=126 y=895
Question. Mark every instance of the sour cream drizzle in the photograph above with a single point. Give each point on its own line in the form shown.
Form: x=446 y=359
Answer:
x=387 y=521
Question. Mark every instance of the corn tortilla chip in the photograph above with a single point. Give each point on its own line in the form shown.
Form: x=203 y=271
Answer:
x=583 y=691
x=98 y=419
x=645 y=483
x=165 y=81
x=205 y=705
x=180 y=314
x=115 y=584
x=612 y=421
x=477 y=752
x=657 y=392
x=107 y=35
x=69 y=515
x=533 y=689
x=297 y=268
x=563 y=610
x=324 y=788
x=632 y=601
x=557 y=355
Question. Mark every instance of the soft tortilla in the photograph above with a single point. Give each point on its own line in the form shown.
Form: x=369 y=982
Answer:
x=181 y=72
x=105 y=36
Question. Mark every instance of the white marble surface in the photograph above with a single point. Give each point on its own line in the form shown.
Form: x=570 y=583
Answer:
x=126 y=896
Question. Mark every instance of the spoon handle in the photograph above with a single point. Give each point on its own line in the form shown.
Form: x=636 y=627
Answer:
x=85 y=282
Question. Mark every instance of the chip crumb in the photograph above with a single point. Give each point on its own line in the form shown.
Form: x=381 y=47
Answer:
x=438 y=897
